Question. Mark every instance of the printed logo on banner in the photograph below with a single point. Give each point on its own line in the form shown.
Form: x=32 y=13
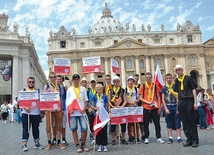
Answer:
x=55 y=106
x=124 y=120
x=66 y=70
x=139 y=119
x=33 y=104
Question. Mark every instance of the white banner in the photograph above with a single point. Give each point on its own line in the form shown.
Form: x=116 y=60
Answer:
x=91 y=64
x=28 y=99
x=62 y=65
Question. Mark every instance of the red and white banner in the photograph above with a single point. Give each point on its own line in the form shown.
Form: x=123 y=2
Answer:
x=101 y=118
x=28 y=99
x=49 y=101
x=126 y=115
x=115 y=66
x=91 y=65
x=158 y=78
x=62 y=65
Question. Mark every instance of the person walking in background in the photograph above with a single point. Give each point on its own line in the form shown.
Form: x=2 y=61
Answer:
x=186 y=89
x=209 y=108
x=169 y=101
x=4 y=109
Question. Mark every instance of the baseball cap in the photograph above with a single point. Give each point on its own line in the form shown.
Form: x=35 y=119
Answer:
x=92 y=79
x=178 y=67
x=116 y=78
x=83 y=79
x=131 y=77
x=75 y=76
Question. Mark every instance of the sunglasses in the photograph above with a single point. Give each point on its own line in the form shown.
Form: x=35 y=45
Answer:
x=53 y=77
x=30 y=81
x=148 y=77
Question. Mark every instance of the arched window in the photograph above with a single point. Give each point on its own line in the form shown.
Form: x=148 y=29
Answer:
x=141 y=64
x=173 y=62
x=192 y=61
x=158 y=62
x=129 y=64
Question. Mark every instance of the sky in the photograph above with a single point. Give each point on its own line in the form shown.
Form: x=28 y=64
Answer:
x=41 y=16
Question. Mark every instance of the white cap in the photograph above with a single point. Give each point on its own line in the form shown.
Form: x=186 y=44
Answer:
x=93 y=79
x=116 y=78
x=178 y=67
x=131 y=77
x=83 y=79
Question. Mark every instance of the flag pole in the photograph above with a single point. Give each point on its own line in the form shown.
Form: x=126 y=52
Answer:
x=118 y=133
x=135 y=132
x=51 y=123
x=94 y=144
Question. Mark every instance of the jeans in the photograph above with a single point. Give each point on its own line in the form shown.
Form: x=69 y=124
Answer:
x=202 y=117
x=34 y=121
x=74 y=123
x=173 y=117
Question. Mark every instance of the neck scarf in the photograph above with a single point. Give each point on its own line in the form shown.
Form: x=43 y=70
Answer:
x=171 y=90
x=93 y=91
x=149 y=91
x=130 y=90
x=54 y=85
x=99 y=97
x=107 y=89
x=181 y=79
x=77 y=92
x=30 y=88
x=116 y=92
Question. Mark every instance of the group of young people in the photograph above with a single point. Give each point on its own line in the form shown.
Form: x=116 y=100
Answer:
x=178 y=100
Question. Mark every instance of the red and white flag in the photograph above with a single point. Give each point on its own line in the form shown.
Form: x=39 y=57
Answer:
x=62 y=65
x=158 y=77
x=72 y=103
x=101 y=119
x=115 y=66
x=91 y=65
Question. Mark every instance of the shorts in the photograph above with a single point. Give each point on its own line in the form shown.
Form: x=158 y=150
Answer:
x=123 y=128
x=173 y=119
x=74 y=123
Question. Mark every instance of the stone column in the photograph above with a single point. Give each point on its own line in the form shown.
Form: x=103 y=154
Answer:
x=15 y=77
x=26 y=72
x=123 y=72
x=147 y=64
x=166 y=63
x=183 y=62
x=106 y=65
x=203 y=71
x=137 y=66
x=152 y=65
x=75 y=66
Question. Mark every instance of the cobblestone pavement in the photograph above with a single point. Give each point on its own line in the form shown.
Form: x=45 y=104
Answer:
x=10 y=143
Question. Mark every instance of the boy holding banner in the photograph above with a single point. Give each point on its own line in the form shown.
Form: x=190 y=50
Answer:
x=131 y=100
x=116 y=100
x=149 y=95
x=30 y=116
x=76 y=104
x=51 y=115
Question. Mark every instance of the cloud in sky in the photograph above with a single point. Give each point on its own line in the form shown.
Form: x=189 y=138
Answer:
x=46 y=15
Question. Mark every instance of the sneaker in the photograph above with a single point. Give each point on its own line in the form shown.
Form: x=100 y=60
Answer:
x=60 y=146
x=170 y=141
x=5 y=121
x=85 y=148
x=38 y=146
x=159 y=140
x=48 y=147
x=79 y=149
x=99 y=149
x=64 y=142
x=113 y=142
x=138 y=141
x=92 y=142
x=53 y=142
x=146 y=141
x=124 y=142
x=24 y=148
x=105 y=149
x=180 y=141
x=130 y=140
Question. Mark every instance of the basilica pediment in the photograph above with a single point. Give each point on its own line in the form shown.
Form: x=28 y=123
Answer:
x=128 y=43
x=209 y=42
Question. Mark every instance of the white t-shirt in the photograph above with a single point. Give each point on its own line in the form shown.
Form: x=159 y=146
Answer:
x=71 y=95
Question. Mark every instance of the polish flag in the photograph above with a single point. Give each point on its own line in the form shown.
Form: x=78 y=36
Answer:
x=101 y=119
x=158 y=77
x=72 y=103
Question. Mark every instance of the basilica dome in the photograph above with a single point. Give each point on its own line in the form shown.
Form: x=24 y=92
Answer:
x=107 y=24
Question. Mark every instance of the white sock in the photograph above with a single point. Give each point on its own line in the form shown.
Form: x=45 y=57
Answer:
x=179 y=137
x=170 y=137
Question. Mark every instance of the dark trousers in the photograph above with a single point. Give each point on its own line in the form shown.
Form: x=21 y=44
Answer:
x=202 y=117
x=91 y=120
x=148 y=116
x=4 y=115
x=34 y=121
x=187 y=114
x=101 y=138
